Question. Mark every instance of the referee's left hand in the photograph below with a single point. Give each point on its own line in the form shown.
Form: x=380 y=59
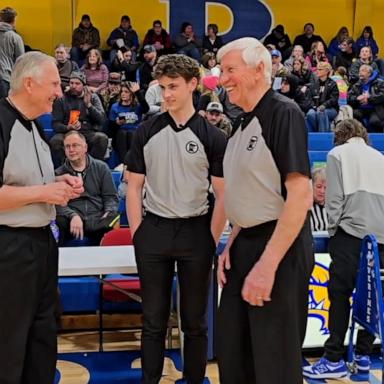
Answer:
x=257 y=287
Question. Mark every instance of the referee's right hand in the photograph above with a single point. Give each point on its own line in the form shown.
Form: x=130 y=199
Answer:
x=58 y=193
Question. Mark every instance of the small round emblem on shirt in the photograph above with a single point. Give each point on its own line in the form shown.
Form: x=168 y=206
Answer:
x=252 y=143
x=192 y=147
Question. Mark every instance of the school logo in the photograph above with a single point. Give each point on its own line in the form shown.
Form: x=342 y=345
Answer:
x=192 y=147
x=252 y=143
x=318 y=305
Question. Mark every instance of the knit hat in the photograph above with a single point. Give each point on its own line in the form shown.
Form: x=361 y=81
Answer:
x=78 y=75
x=149 y=48
x=210 y=82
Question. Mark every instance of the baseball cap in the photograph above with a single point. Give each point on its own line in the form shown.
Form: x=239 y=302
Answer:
x=276 y=52
x=214 y=106
x=114 y=77
x=149 y=48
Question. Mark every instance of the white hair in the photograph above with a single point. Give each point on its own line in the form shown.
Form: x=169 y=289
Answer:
x=253 y=53
x=29 y=64
x=319 y=173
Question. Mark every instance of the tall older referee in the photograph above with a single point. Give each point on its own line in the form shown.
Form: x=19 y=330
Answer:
x=266 y=267
x=28 y=254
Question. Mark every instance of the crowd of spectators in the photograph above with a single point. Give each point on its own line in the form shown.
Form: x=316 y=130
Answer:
x=107 y=93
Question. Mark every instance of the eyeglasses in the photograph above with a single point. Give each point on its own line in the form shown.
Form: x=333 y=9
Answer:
x=74 y=146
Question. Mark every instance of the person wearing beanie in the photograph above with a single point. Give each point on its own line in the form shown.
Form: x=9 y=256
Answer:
x=280 y=40
x=80 y=110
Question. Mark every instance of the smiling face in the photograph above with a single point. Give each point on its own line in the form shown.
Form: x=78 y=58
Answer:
x=93 y=57
x=177 y=92
x=45 y=88
x=238 y=78
x=126 y=96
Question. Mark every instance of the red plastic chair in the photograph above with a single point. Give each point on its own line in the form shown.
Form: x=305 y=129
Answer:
x=120 y=236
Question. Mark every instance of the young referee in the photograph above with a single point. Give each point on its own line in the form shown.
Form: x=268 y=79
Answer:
x=175 y=158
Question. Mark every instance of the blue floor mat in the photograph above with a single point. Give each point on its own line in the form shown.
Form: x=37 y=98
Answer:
x=112 y=367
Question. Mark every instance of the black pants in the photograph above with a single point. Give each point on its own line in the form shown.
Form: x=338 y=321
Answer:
x=159 y=243
x=260 y=345
x=375 y=123
x=28 y=283
x=345 y=254
x=122 y=143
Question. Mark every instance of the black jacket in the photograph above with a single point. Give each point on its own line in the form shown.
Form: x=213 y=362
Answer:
x=329 y=98
x=99 y=194
x=376 y=94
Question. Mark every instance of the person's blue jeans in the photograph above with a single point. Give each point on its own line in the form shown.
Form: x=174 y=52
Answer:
x=320 y=121
x=194 y=53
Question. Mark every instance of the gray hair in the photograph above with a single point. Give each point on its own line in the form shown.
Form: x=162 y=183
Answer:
x=367 y=68
x=253 y=53
x=29 y=64
x=318 y=173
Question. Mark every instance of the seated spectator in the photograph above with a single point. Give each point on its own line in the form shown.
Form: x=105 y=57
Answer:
x=290 y=88
x=123 y=36
x=316 y=55
x=159 y=38
x=96 y=73
x=308 y=38
x=110 y=94
x=214 y=114
x=296 y=53
x=367 y=99
x=347 y=55
x=340 y=78
x=212 y=91
x=84 y=38
x=325 y=100
x=154 y=98
x=366 y=40
x=187 y=43
x=334 y=46
x=318 y=218
x=64 y=65
x=125 y=116
x=212 y=42
x=144 y=72
x=280 y=40
x=278 y=69
x=125 y=63
x=365 y=57
x=302 y=72
x=94 y=212
x=208 y=61
x=79 y=110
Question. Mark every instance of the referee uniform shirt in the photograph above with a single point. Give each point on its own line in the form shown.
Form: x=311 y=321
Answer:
x=263 y=344
x=28 y=257
x=177 y=163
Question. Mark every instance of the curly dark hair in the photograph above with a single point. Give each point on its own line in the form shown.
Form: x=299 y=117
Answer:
x=177 y=65
x=346 y=129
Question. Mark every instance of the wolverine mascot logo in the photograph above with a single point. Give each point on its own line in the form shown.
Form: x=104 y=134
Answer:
x=318 y=306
